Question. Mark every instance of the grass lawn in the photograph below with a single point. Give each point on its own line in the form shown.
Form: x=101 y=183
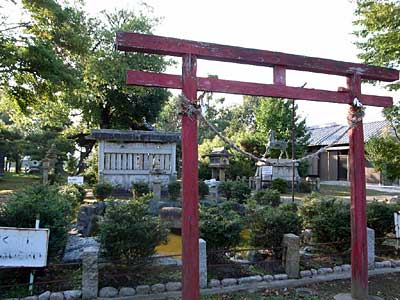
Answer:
x=385 y=286
x=12 y=182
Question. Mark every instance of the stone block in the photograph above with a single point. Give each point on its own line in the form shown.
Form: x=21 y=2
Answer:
x=346 y=268
x=395 y=263
x=268 y=277
x=44 y=296
x=56 y=296
x=228 y=281
x=379 y=264
x=371 y=248
x=72 y=294
x=337 y=269
x=108 y=292
x=173 y=286
x=291 y=257
x=281 y=276
x=90 y=273
x=306 y=273
x=250 y=279
x=126 y=291
x=142 y=289
x=30 y=298
x=202 y=263
x=214 y=283
x=158 y=288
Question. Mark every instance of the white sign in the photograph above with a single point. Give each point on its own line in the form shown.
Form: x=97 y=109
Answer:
x=23 y=247
x=266 y=171
x=75 y=180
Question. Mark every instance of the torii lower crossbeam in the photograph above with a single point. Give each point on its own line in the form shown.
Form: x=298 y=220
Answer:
x=190 y=84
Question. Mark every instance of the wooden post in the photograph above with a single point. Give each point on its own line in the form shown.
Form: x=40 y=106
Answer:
x=359 y=250
x=190 y=215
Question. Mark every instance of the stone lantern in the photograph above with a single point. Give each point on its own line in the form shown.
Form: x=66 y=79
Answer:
x=219 y=161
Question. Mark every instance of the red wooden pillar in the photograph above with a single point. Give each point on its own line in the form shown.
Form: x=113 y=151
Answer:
x=190 y=215
x=359 y=247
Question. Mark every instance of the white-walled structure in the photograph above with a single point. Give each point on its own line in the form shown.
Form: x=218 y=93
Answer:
x=129 y=156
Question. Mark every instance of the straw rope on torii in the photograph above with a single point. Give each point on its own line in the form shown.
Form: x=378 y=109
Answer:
x=193 y=108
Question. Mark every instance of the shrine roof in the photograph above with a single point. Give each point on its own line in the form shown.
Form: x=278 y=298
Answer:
x=134 y=136
x=325 y=135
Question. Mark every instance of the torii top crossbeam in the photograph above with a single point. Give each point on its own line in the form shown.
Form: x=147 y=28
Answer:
x=190 y=84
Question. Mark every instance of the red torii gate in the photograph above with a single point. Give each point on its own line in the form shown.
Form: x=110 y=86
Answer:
x=191 y=84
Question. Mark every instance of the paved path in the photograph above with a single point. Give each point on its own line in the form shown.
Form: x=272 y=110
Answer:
x=377 y=187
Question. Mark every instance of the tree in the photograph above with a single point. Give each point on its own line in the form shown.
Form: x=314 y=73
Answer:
x=378 y=37
x=384 y=154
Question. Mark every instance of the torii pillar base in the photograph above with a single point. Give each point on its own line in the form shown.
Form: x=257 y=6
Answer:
x=347 y=296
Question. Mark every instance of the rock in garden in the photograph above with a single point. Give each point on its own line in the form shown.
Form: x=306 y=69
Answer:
x=76 y=245
x=396 y=263
x=346 y=268
x=387 y=264
x=108 y=292
x=158 y=288
x=173 y=286
x=57 y=296
x=268 y=277
x=126 y=291
x=325 y=270
x=379 y=265
x=31 y=298
x=229 y=281
x=250 y=279
x=142 y=289
x=214 y=283
x=44 y=296
x=72 y=295
x=337 y=269
x=280 y=276
x=314 y=272
x=305 y=273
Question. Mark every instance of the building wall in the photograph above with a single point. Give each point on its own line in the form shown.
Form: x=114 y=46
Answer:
x=333 y=165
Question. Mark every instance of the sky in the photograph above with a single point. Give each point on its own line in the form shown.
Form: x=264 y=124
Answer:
x=319 y=28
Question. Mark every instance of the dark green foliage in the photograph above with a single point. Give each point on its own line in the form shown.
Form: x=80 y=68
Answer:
x=204 y=170
x=329 y=220
x=74 y=193
x=289 y=206
x=203 y=189
x=90 y=177
x=304 y=186
x=280 y=185
x=102 y=190
x=267 y=197
x=234 y=190
x=269 y=224
x=53 y=208
x=380 y=218
x=140 y=189
x=129 y=232
x=174 y=190
x=220 y=227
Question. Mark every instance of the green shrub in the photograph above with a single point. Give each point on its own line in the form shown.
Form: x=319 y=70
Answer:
x=304 y=186
x=203 y=189
x=174 y=189
x=129 y=232
x=380 y=217
x=102 y=190
x=289 y=206
x=234 y=190
x=90 y=177
x=329 y=221
x=54 y=209
x=140 y=189
x=72 y=193
x=220 y=227
x=280 y=185
x=269 y=224
x=268 y=197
